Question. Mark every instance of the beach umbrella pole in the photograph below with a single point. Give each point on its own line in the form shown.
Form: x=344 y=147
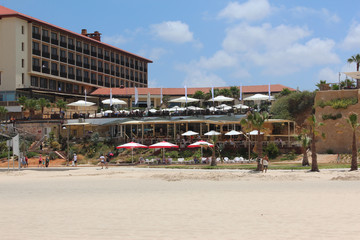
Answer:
x=132 y=155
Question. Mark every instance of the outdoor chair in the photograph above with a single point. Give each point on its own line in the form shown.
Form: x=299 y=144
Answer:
x=218 y=159
x=180 y=160
x=203 y=160
x=226 y=160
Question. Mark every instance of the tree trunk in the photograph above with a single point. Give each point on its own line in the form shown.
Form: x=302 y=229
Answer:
x=314 y=164
x=357 y=66
x=354 y=165
x=259 y=149
x=213 y=158
x=305 y=161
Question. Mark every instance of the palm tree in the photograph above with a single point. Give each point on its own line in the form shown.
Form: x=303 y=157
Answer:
x=61 y=104
x=43 y=103
x=22 y=100
x=305 y=143
x=225 y=92
x=198 y=95
x=313 y=125
x=353 y=121
x=32 y=105
x=3 y=112
x=235 y=92
x=355 y=59
x=256 y=121
x=213 y=157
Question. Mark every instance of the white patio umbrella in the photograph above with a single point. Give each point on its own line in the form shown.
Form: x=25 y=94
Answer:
x=115 y=101
x=258 y=97
x=241 y=106
x=108 y=111
x=132 y=145
x=233 y=132
x=176 y=108
x=163 y=145
x=224 y=107
x=212 y=133
x=153 y=110
x=195 y=108
x=221 y=99
x=189 y=133
x=184 y=100
x=212 y=109
x=254 y=132
x=200 y=144
x=81 y=103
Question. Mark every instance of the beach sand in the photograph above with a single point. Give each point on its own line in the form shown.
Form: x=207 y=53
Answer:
x=141 y=203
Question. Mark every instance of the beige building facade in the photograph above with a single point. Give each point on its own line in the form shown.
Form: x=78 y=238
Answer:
x=41 y=59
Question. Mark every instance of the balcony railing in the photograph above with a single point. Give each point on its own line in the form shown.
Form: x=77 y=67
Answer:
x=93 y=81
x=36 y=68
x=93 y=67
x=63 y=59
x=36 y=52
x=94 y=54
x=79 y=78
x=55 y=72
x=107 y=71
x=45 y=39
x=63 y=44
x=117 y=61
x=86 y=79
x=100 y=55
x=113 y=73
x=46 y=70
x=112 y=59
x=79 y=49
x=100 y=69
x=117 y=74
x=36 y=36
x=79 y=64
x=71 y=76
x=86 y=65
x=71 y=47
x=71 y=61
x=86 y=51
x=107 y=58
x=46 y=54
x=63 y=74
x=100 y=83
x=55 y=41
x=55 y=57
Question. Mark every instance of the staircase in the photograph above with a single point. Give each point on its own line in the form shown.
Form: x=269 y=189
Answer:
x=61 y=154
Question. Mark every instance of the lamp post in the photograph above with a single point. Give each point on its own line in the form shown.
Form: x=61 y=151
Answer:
x=67 y=141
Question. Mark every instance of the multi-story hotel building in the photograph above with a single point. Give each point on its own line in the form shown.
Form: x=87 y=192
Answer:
x=41 y=59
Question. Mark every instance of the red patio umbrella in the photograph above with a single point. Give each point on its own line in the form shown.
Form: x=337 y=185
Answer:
x=163 y=145
x=132 y=145
x=200 y=143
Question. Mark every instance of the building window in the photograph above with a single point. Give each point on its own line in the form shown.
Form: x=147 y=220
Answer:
x=22 y=29
x=36 y=48
x=22 y=46
x=0 y=78
x=22 y=78
x=34 y=81
x=22 y=63
x=61 y=86
x=36 y=64
x=43 y=83
x=52 y=84
x=76 y=88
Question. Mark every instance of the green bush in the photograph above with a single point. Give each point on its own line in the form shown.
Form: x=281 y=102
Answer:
x=172 y=154
x=338 y=103
x=53 y=156
x=330 y=116
x=330 y=151
x=55 y=145
x=272 y=150
x=32 y=154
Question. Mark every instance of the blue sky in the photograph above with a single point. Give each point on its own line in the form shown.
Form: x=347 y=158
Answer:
x=203 y=43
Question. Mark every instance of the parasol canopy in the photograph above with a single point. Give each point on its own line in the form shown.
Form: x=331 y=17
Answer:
x=233 y=132
x=212 y=133
x=115 y=101
x=189 y=133
x=81 y=103
x=132 y=145
x=184 y=100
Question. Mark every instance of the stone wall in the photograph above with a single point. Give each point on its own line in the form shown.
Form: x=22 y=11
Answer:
x=338 y=133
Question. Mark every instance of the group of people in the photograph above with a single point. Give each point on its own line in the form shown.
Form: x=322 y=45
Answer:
x=44 y=162
x=104 y=161
x=24 y=161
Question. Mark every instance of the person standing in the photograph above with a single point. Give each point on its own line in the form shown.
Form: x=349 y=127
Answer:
x=265 y=163
x=40 y=160
x=47 y=161
x=75 y=160
x=26 y=161
x=102 y=160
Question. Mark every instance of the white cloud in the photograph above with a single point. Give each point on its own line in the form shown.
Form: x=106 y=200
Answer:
x=251 y=10
x=219 y=60
x=157 y=53
x=329 y=75
x=352 y=39
x=280 y=50
x=244 y=37
x=172 y=31
x=201 y=78
x=323 y=13
x=116 y=40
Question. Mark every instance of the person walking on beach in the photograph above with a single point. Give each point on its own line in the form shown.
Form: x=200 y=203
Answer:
x=40 y=160
x=265 y=163
x=26 y=161
x=47 y=161
x=75 y=160
x=102 y=160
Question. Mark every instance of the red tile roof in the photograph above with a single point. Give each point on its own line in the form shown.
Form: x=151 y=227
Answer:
x=6 y=12
x=275 y=88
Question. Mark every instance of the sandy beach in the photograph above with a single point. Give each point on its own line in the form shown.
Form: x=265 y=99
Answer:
x=142 y=203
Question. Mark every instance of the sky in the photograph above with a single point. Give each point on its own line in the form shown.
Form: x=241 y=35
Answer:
x=204 y=43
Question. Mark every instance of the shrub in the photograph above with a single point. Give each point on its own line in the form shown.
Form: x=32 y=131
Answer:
x=339 y=103
x=330 y=116
x=32 y=154
x=53 y=156
x=329 y=151
x=272 y=150
x=55 y=145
